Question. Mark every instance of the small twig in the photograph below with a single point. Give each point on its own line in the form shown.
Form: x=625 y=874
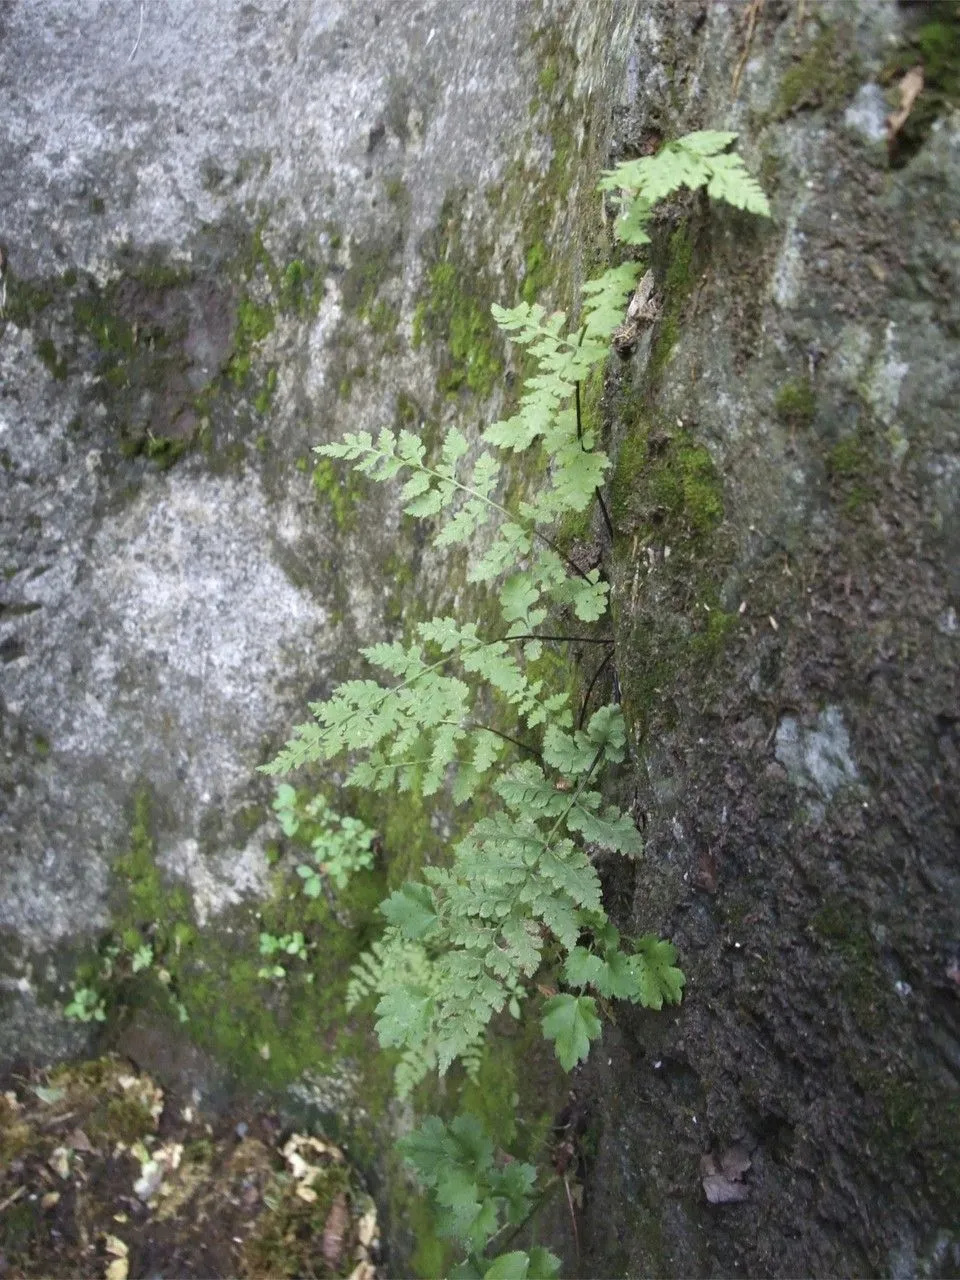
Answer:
x=524 y=746
x=573 y=1219
x=753 y=13
x=133 y=51
x=12 y=1199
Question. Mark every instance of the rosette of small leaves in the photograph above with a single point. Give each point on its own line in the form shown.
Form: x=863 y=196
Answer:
x=287 y=944
x=341 y=845
x=86 y=1006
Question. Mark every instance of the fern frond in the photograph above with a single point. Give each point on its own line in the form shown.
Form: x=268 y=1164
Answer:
x=730 y=181
x=697 y=160
x=605 y=299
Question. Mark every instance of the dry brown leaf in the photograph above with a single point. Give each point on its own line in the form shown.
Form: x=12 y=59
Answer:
x=735 y=1162
x=306 y=1193
x=721 y=1179
x=115 y=1247
x=367 y=1228
x=363 y=1271
x=338 y=1219
x=909 y=88
x=59 y=1162
x=50 y=1199
x=80 y=1142
x=118 y=1269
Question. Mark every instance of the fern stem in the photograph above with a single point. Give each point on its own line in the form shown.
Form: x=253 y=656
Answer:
x=532 y=635
x=603 y=506
x=482 y=497
x=524 y=746
x=574 y=799
x=586 y=700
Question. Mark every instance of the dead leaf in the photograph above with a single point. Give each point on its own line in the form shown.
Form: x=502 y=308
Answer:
x=118 y=1269
x=363 y=1271
x=80 y=1142
x=338 y=1219
x=367 y=1228
x=50 y=1199
x=910 y=88
x=59 y=1162
x=148 y=1184
x=115 y=1247
x=306 y=1193
x=735 y=1162
x=721 y=1180
x=49 y=1096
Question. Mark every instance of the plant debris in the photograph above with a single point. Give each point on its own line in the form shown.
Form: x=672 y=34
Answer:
x=102 y=1175
x=722 y=1176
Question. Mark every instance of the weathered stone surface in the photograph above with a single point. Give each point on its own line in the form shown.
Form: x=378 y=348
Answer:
x=785 y=579
x=219 y=220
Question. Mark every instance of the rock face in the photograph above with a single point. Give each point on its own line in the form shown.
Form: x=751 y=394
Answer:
x=231 y=232
x=788 y=538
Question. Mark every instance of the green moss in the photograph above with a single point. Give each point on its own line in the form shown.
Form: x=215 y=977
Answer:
x=163 y=450
x=678 y=278
x=143 y=897
x=26 y=300
x=795 y=403
x=826 y=75
x=128 y=1119
x=255 y=321
x=548 y=75
x=842 y=927
x=852 y=472
x=397 y=192
x=538 y=271
x=264 y=396
x=383 y=317
x=299 y=289
x=47 y=351
x=669 y=483
x=452 y=313
x=284 y=1241
x=372 y=264
x=847 y=458
x=342 y=489
x=707 y=644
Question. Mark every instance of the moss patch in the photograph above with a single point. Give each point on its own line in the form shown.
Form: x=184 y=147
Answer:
x=795 y=403
x=826 y=75
x=455 y=311
x=665 y=481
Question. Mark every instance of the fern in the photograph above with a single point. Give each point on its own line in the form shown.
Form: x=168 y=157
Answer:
x=458 y=709
x=695 y=161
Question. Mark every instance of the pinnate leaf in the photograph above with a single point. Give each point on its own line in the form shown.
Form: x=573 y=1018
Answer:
x=571 y=1022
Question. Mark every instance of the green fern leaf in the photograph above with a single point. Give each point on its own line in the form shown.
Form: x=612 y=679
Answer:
x=571 y=1022
x=707 y=142
x=411 y=910
x=730 y=181
x=657 y=979
x=605 y=299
